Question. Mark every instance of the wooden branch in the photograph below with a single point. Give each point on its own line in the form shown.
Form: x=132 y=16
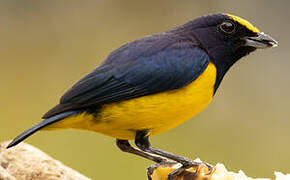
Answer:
x=26 y=162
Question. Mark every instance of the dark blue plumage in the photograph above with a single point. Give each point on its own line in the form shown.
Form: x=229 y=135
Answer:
x=153 y=64
x=157 y=63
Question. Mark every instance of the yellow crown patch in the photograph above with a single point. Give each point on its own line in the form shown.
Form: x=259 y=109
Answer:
x=244 y=22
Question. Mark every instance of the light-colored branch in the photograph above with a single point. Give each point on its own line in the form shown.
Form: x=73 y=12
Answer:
x=26 y=162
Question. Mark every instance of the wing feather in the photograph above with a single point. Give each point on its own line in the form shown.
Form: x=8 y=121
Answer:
x=173 y=67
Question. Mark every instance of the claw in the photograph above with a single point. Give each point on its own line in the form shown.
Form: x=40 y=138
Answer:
x=205 y=171
x=210 y=168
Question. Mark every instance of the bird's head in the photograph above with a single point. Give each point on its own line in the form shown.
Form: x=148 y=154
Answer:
x=226 y=38
x=226 y=35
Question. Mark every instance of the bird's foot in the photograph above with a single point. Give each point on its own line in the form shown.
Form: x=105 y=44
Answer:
x=191 y=170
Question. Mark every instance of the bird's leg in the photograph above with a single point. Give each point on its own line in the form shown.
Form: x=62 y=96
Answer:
x=125 y=146
x=142 y=142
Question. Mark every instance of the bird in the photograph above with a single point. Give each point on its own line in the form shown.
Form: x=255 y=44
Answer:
x=153 y=84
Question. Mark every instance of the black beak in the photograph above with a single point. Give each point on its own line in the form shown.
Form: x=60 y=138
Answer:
x=262 y=40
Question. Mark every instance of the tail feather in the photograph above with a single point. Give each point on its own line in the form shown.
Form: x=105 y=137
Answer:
x=39 y=126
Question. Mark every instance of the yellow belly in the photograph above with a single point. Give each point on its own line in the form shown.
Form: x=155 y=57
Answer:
x=156 y=113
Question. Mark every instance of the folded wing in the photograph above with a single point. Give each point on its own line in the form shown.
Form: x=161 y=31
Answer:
x=121 y=77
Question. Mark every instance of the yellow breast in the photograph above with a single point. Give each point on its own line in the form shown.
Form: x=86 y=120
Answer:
x=156 y=113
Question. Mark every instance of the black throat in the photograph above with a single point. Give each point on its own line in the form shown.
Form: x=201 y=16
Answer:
x=224 y=58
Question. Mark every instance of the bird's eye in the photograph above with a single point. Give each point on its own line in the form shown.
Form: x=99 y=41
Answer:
x=228 y=27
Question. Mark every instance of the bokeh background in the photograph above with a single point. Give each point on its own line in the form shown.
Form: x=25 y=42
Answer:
x=46 y=46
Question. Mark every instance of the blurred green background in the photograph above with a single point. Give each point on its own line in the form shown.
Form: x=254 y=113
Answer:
x=46 y=46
